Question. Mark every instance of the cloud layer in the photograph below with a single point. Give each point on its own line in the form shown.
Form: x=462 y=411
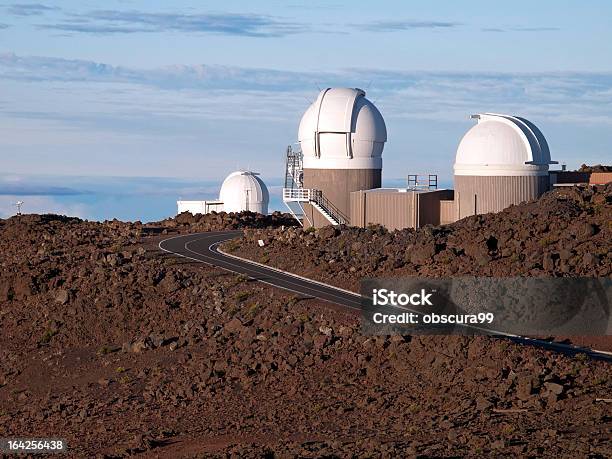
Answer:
x=29 y=9
x=74 y=116
x=234 y=92
x=27 y=189
x=521 y=29
x=395 y=26
x=114 y=21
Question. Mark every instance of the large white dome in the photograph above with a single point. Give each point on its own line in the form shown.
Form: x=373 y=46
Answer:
x=243 y=190
x=342 y=130
x=502 y=145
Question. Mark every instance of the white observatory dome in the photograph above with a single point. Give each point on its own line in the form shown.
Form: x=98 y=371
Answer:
x=243 y=190
x=502 y=145
x=342 y=130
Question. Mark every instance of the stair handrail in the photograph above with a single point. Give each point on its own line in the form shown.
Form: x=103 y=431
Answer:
x=318 y=197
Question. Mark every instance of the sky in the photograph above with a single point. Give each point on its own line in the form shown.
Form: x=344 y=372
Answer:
x=117 y=108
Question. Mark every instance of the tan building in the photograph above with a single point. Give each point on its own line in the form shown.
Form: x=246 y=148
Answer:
x=401 y=208
x=600 y=178
x=501 y=161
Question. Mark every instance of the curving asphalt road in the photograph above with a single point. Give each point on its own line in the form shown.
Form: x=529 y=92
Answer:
x=203 y=248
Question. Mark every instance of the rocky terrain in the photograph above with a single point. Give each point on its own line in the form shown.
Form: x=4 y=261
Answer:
x=595 y=168
x=564 y=233
x=126 y=351
x=188 y=223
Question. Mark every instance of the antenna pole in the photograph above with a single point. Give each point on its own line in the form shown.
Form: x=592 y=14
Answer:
x=18 y=204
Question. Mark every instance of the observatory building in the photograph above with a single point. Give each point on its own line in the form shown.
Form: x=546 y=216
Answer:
x=244 y=190
x=240 y=191
x=341 y=136
x=335 y=176
x=500 y=161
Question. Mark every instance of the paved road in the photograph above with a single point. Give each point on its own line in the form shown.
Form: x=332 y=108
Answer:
x=203 y=247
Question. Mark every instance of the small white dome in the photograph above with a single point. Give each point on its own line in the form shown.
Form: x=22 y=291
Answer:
x=342 y=130
x=502 y=145
x=243 y=190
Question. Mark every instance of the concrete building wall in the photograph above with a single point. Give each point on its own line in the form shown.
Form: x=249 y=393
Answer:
x=482 y=194
x=337 y=185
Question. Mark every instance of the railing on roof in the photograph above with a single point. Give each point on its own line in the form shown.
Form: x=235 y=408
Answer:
x=423 y=181
x=297 y=194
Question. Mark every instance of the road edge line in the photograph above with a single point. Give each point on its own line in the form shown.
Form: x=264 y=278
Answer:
x=286 y=272
x=593 y=353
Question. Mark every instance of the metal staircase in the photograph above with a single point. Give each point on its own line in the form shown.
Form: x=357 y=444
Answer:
x=295 y=195
x=294 y=170
x=294 y=183
x=323 y=212
x=326 y=208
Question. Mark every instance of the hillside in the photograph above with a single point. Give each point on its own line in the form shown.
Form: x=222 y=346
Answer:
x=122 y=349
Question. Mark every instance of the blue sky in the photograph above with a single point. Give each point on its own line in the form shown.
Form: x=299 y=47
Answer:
x=101 y=98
